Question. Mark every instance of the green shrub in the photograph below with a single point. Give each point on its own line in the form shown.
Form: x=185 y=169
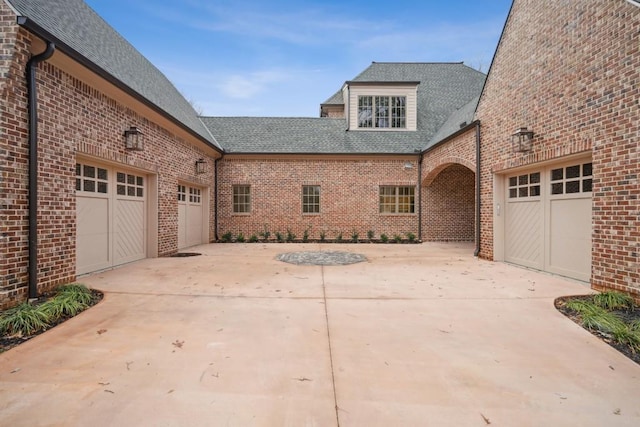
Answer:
x=411 y=237
x=323 y=236
x=601 y=320
x=612 y=300
x=339 y=237
x=384 y=238
x=78 y=292
x=265 y=234
x=370 y=234
x=354 y=236
x=397 y=238
x=240 y=237
x=626 y=335
x=305 y=235
x=24 y=319
x=581 y=306
x=226 y=237
x=279 y=237
x=63 y=305
x=290 y=236
x=253 y=238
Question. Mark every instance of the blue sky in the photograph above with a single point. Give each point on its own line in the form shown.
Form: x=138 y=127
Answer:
x=284 y=58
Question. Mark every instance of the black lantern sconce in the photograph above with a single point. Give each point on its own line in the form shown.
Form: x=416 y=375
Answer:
x=134 y=139
x=201 y=166
x=522 y=140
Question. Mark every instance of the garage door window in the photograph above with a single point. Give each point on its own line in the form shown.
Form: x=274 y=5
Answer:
x=524 y=186
x=129 y=185
x=572 y=179
x=195 y=195
x=91 y=179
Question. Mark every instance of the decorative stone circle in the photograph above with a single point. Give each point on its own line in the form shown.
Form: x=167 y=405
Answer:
x=321 y=258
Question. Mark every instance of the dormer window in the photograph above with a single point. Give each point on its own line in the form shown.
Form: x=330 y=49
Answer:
x=382 y=112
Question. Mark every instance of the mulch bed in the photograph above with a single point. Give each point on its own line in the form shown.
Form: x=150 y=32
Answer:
x=630 y=316
x=8 y=342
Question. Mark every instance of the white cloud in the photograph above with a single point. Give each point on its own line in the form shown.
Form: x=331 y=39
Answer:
x=248 y=85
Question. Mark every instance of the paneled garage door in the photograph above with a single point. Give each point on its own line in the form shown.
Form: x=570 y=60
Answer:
x=110 y=216
x=190 y=216
x=548 y=219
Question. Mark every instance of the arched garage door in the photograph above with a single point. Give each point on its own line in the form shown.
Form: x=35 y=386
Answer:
x=548 y=219
x=111 y=209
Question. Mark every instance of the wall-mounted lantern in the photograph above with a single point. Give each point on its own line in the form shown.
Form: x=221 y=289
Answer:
x=134 y=139
x=522 y=140
x=408 y=165
x=201 y=166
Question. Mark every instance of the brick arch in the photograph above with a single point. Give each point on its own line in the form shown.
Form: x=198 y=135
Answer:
x=432 y=173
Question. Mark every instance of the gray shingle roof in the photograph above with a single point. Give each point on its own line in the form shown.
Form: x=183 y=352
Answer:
x=79 y=30
x=300 y=135
x=456 y=121
x=447 y=96
x=335 y=99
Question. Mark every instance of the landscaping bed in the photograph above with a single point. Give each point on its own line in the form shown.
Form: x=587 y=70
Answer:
x=611 y=316
x=27 y=320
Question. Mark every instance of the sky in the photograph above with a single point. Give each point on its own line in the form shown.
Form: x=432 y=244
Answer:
x=284 y=58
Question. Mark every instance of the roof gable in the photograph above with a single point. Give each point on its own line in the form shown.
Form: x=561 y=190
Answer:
x=81 y=33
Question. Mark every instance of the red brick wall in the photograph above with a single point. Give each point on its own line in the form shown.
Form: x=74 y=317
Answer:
x=74 y=118
x=348 y=200
x=570 y=71
x=448 y=202
x=449 y=212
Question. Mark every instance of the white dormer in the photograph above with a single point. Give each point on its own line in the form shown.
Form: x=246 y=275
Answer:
x=381 y=106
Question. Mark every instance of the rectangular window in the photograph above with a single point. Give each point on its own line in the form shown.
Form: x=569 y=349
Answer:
x=382 y=112
x=129 y=185
x=195 y=195
x=91 y=179
x=523 y=186
x=241 y=199
x=182 y=193
x=572 y=179
x=397 y=200
x=310 y=199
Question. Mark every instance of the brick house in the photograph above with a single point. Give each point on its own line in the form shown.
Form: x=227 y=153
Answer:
x=356 y=169
x=99 y=204
x=570 y=73
x=422 y=148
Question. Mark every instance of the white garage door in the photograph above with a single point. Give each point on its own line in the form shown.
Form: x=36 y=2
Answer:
x=190 y=216
x=110 y=217
x=548 y=219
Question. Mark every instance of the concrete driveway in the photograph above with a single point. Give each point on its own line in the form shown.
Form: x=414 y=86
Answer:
x=420 y=335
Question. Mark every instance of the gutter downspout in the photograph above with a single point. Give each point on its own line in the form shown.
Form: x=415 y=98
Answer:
x=477 y=251
x=215 y=194
x=420 y=195
x=33 y=166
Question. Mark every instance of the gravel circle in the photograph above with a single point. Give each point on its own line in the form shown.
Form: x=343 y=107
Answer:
x=321 y=258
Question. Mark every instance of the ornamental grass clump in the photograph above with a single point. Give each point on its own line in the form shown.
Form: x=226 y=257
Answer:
x=29 y=319
x=24 y=319
x=612 y=300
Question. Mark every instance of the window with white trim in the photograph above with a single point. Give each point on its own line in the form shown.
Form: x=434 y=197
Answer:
x=241 y=199
x=524 y=186
x=397 y=200
x=182 y=193
x=311 y=199
x=129 y=185
x=572 y=179
x=92 y=179
x=195 y=195
x=382 y=112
